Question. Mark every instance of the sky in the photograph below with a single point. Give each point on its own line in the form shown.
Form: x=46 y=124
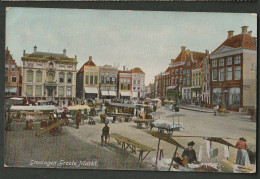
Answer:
x=145 y=39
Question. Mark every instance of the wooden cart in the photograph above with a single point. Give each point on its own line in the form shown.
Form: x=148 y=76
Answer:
x=54 y=128
x=145 y=122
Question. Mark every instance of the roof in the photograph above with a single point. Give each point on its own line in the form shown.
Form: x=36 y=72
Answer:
x=137 y=70
x=244 y=41
x=168 y=69
x=121 y=71
x=42 y=54
x=198 y=66
x=181 y=56
x=88 y=63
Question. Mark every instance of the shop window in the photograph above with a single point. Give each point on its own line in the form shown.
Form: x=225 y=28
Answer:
x=234 y=97
x=216 y=96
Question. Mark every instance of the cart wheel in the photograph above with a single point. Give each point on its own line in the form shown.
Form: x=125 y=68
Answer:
x=56 y=131
x=161 y=131
x=139 y=125
x=169 y=131
x=146 y=125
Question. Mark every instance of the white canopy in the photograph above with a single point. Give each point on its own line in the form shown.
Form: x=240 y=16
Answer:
x=34 y=108
x=104 y=93
x=171 y=87
x=16 y=98
x=112 y=93
x=124 y=93
x=91 y=90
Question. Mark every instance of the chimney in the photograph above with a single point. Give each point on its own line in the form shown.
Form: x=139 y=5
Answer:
x=244 y=29
x=23 y=52
x=90 y=58
x=64 y=52
x=207 y=52
x=35 y=48
x=250 y=33
x=183 y=48
x=123 y=68
x=230 y=34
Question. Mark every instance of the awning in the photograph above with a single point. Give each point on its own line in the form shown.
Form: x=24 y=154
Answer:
x=104 y=93
x=34 y=108
x=79 y=107
x=18 y=99
x=125 y=93
x=108 y=93
x=112 y=93
x=91 y=90
x=11 y=89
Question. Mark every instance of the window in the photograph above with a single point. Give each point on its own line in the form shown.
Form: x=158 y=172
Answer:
x=69 y=90
x=214 y=63
x=196 y=74
x=102 y=79
x=184 y=71
x=91 y=80
x=128 y=86
x=6 y=67
x=86 y=82
x=30 y=65
x=180 y=70
x=180 y=79
x=221 y=74
x=221 y=62
x=229 y=73
x=96 y=79
x=172 y=80
x=193 y=74
x=196 y=81
x=108 y=80
x=69 y=78
x=61 y=91
x=29 y=91
x=199 y=81
x=188 y=63
x=38 y=76
x=237 y=73
x=216 y=96
x=204 y=77
x=138 y=88
x=188 y=80
x=193 y=82
x=177 y=71
x=30 y=76
x=38 y=91
x=173 y=72
x=234 y=97
x=237 y=59
x=134 y=81
x=214 y=75
x=61 y=76
x=188 y=71
x=138 y=82
x=184 y=81
x=62 y=67
x=208 y=85
x=69 y=67
x=229 y=61
x=13 y=78
x=50 y=77
x=12 y=67
x=134 y=88
x=176 y=80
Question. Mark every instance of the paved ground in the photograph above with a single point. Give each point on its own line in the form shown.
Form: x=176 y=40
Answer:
x=23 y=148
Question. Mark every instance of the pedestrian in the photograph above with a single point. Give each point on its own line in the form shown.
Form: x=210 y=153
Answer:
x=78 y=119
x=190 y=153
x=105 y=133
x=242 y=155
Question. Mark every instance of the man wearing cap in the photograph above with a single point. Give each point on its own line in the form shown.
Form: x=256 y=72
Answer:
x=190 y=153
x=105 y=133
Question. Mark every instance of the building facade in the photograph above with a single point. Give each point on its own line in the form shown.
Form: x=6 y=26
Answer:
x=13 y=77
x=196 y=83
x=138 y=83
x=206 y=79
x=88 y=80
x=124 y=84
x=233 y=72
x=108 y=82
x=48 y=75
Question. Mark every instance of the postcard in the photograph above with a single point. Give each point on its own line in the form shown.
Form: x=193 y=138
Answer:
x=130 y=90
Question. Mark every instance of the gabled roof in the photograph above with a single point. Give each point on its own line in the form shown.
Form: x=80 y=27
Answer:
x=88 y=63
x=137 y=70
x=198 y=66
x=168 y=69
x=244 y=41
x=181 y=56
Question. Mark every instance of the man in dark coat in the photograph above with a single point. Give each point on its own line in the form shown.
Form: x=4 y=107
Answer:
x=105 y=133
x=190 y=153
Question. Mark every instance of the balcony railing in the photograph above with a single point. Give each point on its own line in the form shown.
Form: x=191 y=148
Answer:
x=50 y=83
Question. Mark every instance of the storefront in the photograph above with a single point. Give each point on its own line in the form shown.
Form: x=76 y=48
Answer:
x=108 y=94
x=125 y=95
x=91 y=92
x=229 y=98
